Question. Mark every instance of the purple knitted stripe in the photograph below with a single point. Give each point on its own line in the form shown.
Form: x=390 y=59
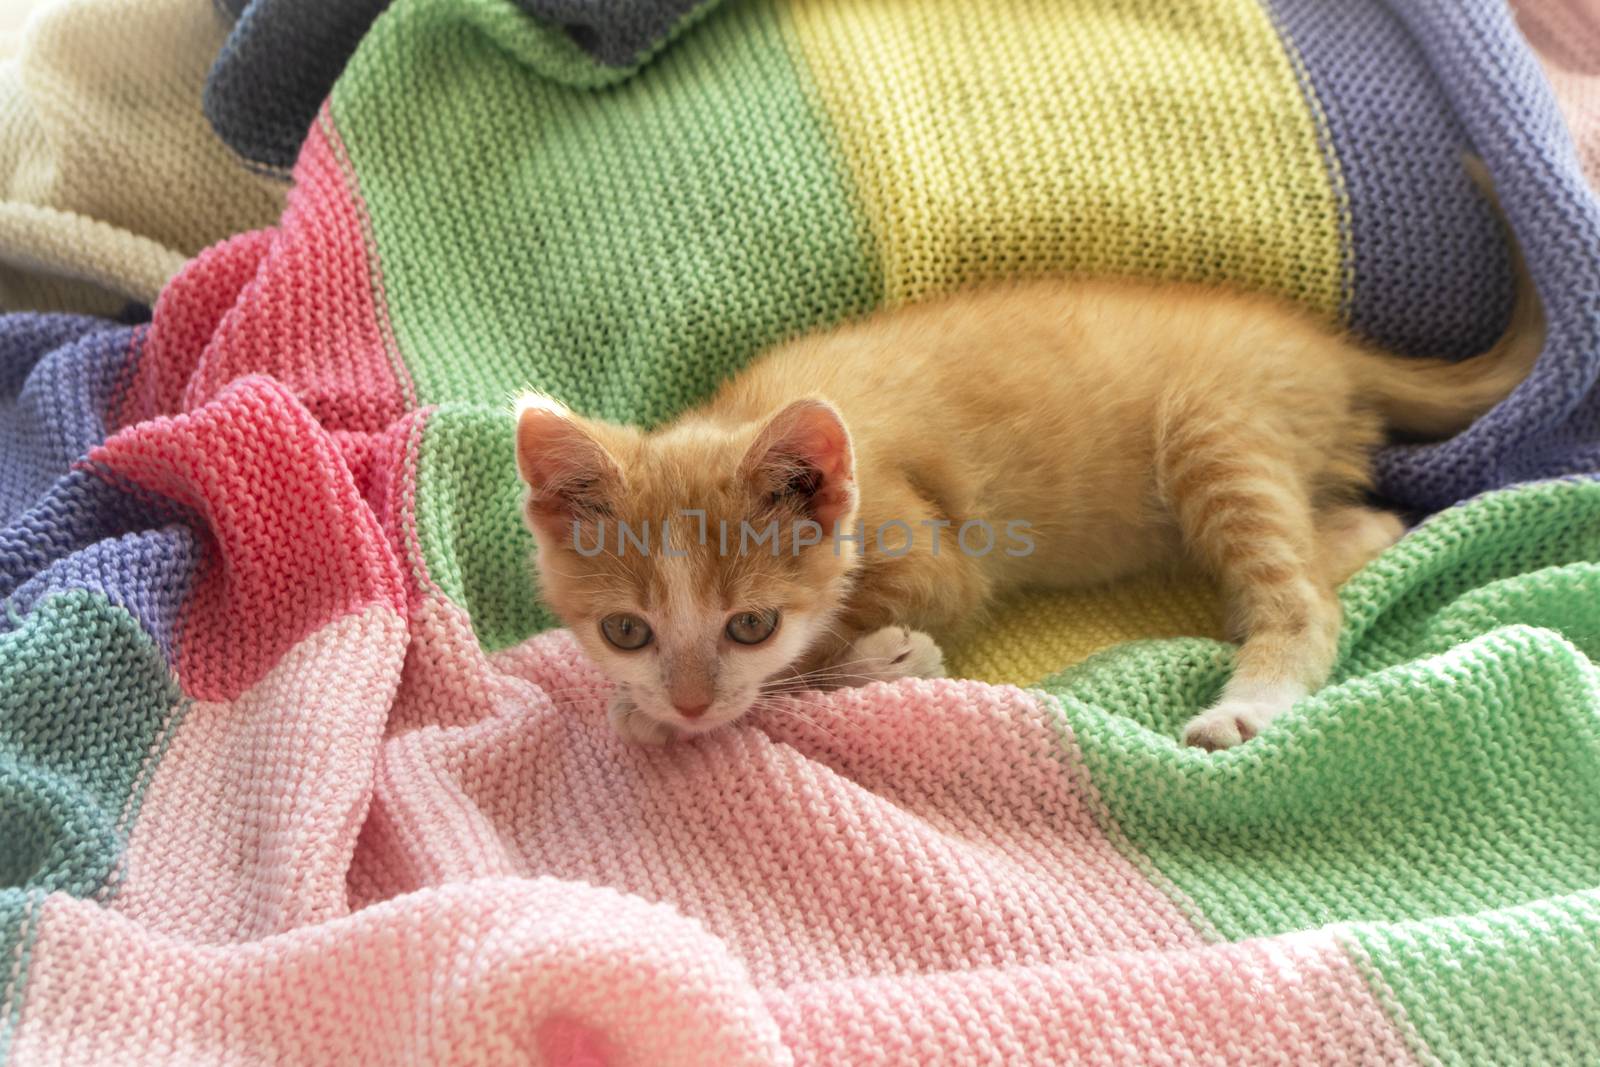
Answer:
x=1430 y=271
x=63 y=528
x=1550 y=426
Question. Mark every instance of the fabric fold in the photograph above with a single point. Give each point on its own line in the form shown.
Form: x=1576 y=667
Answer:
x=285 y=733
x=112 y=178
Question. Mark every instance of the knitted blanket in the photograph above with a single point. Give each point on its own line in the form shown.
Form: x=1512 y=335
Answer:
x=111 y=179
x=1566 y=36
x=293 y=768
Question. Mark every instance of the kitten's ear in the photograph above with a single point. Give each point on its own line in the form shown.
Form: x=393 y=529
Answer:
x=803 y=454
x=569 y=473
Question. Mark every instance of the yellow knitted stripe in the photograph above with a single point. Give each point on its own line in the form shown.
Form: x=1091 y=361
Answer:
x=1044 y=632
x=1123 y=137
x=1130 y=137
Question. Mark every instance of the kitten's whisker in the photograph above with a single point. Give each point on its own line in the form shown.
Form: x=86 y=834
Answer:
x=562 y=693
x=830 y=673
x=559 y=573
x=830 y=666
x=791 y=712
x=847 y=681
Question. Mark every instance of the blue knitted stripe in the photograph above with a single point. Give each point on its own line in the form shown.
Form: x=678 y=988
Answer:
x=1551 y=425
x=1430 y=273
x=62 y=527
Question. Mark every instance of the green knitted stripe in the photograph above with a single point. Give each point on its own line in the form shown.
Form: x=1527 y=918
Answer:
x=73 y=740
x=474 y=546
x=1454 y=767
x=1517 y=986
x=531 y=251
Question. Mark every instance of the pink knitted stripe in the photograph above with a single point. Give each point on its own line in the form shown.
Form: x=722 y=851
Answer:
x=890 y=830
x=495 y=971
x=291 y=545
x=384 y=466
x=1293 y=999
x=240 y=309
x=206 y=861
x=186 y=316
x=328 y=130
x=1565 y=34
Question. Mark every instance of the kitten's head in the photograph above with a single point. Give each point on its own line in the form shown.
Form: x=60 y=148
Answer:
x=693 y=622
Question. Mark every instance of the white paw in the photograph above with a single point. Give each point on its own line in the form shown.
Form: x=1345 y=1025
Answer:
x=1232 y=722
x=895 y=652
x=1245 y=710
x=634 y=725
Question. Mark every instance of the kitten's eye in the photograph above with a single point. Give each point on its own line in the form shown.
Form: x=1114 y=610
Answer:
x=627 y=632
x=752 y=627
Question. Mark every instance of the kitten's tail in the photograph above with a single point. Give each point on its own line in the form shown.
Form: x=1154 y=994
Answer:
x=1438 y=398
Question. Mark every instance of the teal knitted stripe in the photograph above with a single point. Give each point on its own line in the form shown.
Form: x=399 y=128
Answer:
x=84 y=692
x=84 y=697
x=19 y=928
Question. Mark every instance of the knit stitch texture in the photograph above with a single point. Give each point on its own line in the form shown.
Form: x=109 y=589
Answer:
x=293 y=768
x=1566 y=36
x=111 y=178
x=282 y=57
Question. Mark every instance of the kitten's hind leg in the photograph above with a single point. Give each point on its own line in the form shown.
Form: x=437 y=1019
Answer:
x=1244 y=511
x=1350 y=537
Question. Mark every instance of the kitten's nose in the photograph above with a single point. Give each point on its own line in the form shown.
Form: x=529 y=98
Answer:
x=691 y=711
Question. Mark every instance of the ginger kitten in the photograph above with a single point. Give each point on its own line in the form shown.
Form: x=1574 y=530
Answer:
x=1081 y=431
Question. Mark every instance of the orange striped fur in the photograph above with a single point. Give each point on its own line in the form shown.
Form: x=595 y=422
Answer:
x=1132 y=425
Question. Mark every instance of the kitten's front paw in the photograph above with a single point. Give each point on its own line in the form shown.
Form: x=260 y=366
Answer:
x=895 y=652
x=634 y=725
x=1231 y=722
